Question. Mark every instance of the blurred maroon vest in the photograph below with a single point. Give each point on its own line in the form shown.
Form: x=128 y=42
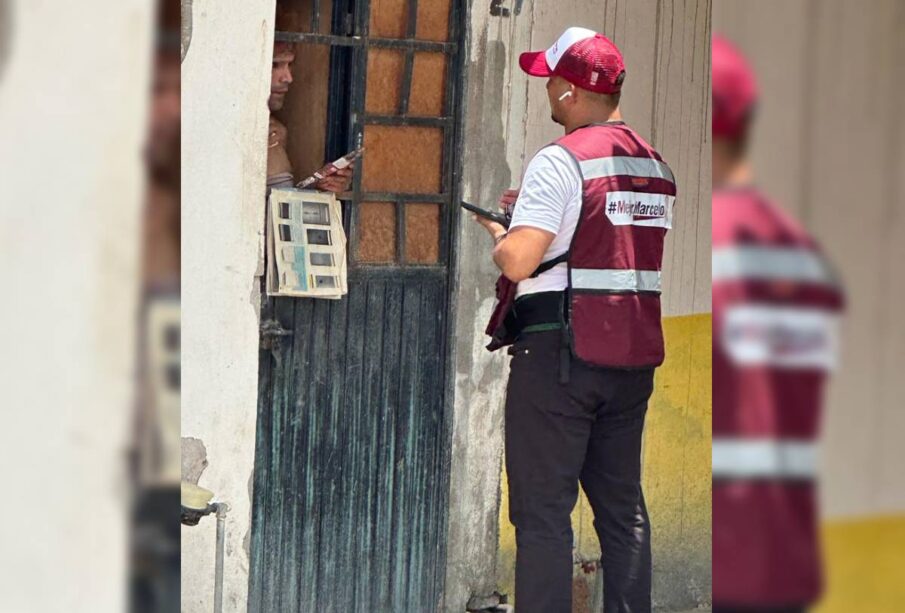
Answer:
x=775 y=313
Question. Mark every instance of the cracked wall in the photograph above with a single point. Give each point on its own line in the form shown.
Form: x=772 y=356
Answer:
x=224 y=145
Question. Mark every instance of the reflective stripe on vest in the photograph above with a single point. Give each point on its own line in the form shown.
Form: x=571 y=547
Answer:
x=784 y=337
x=769 y=264
x=735 y=458
x=616 y=280
x=599 y=168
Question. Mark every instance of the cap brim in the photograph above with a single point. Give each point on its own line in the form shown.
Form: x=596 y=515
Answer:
x=535 y=63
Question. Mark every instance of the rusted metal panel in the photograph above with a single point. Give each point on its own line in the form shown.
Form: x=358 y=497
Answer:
x=350 y=486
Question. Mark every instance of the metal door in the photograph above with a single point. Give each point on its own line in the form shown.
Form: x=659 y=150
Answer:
x=351 y=467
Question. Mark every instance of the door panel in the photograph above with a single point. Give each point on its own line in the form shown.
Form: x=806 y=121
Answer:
x=385 y=68
x=422 y=233
x=428 y=77
x=377 y=239
x=405 y=159
x=350 y=497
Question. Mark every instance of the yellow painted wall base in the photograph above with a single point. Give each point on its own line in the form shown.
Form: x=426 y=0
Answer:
x=865 y=565
x=677 y=478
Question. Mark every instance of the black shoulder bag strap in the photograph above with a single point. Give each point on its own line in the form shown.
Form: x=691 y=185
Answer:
x=545 y=266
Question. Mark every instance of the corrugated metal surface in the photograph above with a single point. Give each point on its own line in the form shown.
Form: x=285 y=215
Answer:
x=350 y=487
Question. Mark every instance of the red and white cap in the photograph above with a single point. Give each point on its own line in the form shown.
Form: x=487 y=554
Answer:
x=582 y=57
x=734 y=90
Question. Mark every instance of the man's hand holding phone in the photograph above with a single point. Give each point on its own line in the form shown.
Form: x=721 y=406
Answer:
x=338 y=182
x=506 y=203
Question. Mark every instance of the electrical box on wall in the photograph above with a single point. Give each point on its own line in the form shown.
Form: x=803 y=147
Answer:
x=306 y=245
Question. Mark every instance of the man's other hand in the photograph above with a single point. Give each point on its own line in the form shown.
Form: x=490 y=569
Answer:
x=507 y=200
x=338 y=182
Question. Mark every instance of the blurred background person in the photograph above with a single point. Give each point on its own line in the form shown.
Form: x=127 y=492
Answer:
x=775 y=308
x=827 y=148
x=160 y=261
x=156 y=469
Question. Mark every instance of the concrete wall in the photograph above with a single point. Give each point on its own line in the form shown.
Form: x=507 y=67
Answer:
x=666 y=98
x=829 y=145
x=73 y=114
x=491 y=151
x=224 y=131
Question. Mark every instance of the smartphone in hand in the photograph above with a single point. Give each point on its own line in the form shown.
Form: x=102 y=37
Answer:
x=500 y=218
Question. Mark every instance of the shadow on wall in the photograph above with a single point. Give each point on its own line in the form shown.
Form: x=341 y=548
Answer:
x=6 y=33
x=480 y=379
x=484 y=156
x=186 y=32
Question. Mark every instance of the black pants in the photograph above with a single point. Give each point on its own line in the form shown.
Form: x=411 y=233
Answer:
x=588 y=430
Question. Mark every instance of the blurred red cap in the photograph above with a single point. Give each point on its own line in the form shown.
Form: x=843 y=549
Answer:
x=734 y=90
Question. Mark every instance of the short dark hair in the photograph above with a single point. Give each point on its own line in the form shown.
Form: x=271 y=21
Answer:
x=738 y=147
x=611 y=101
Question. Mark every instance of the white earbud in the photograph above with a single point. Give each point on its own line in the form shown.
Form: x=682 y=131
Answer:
x=564 y=96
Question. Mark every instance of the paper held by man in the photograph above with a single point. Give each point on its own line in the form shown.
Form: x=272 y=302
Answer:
x=306 y=245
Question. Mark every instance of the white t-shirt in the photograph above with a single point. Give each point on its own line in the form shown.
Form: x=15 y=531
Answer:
x=550 y=199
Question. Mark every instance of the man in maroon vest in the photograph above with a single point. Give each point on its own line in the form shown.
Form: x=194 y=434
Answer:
x=578 y=301
x=775 y=318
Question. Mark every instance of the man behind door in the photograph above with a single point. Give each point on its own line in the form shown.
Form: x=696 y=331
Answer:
x=279 y=168
x=579 y=298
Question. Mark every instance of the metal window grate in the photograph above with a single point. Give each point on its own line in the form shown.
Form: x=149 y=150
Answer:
x=350 y=42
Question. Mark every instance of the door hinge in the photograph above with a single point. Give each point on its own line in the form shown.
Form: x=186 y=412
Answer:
x=272 y=334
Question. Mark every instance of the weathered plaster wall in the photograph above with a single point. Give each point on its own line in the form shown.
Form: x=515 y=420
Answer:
x=667 y=99
x=224 y=130
x=834 y=155
x=477 y=438
x=73 y=114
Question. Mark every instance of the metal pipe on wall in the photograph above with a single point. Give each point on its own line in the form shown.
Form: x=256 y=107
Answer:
x=222 y=509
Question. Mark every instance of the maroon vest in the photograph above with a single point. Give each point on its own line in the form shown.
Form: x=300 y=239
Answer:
x=776 y=309
x=613 y=299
